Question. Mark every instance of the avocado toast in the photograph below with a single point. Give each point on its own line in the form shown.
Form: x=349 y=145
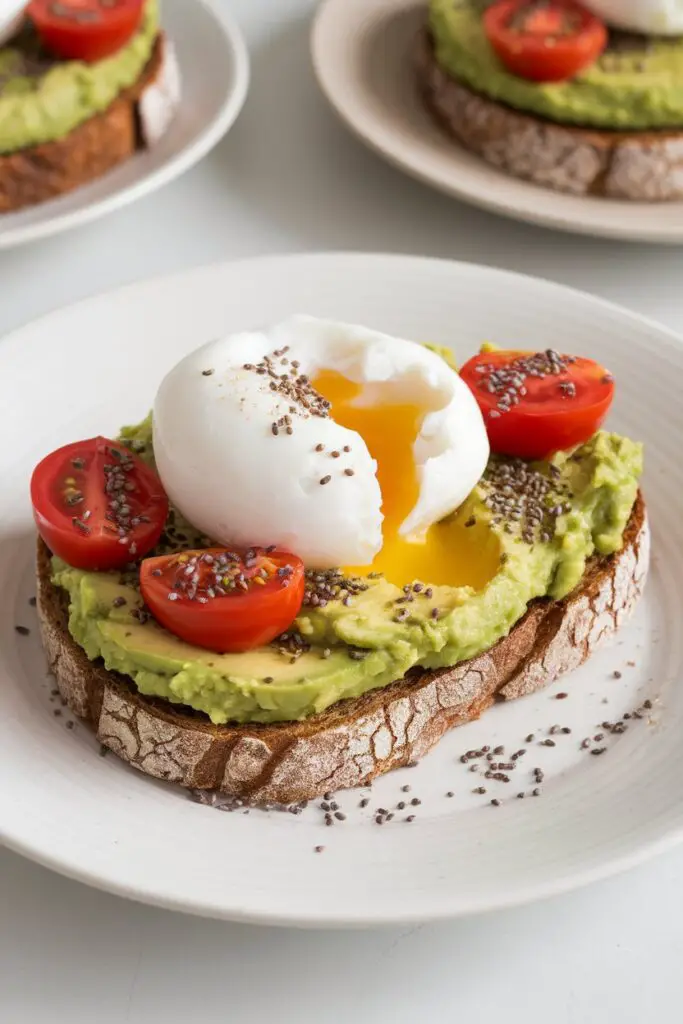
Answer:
x=66 y=122
x=549 y=555
x=613 y=128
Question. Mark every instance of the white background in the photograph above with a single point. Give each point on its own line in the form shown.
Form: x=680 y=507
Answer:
x=289 y=178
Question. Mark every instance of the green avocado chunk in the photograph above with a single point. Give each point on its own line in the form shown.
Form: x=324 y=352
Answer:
x=43 y=99
x=587 y=497
x=637 y=83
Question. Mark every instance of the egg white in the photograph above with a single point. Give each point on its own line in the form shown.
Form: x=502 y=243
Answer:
x=229 y=476
x=11 y=17
x=651 y=17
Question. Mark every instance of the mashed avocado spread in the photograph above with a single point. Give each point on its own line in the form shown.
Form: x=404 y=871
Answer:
x=636 y=84
x=535 y=525
x=43 y=99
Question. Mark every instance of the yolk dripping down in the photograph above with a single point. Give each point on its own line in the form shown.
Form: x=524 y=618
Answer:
x=448 y=553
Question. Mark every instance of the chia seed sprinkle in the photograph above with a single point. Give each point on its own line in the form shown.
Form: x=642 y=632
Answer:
x=296 y=388
x=328 y=585
x=22 y=630
x=519 y=493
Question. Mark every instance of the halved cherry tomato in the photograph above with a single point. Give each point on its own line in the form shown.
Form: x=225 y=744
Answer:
x=544 y=40
x=86 y=30
x=224 y=599
x=535 y=404
x=97 y=505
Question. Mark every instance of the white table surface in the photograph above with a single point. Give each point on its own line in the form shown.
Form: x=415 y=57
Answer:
x=289 y=178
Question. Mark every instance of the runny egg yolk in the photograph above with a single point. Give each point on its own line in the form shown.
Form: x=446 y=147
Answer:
x=448 y=552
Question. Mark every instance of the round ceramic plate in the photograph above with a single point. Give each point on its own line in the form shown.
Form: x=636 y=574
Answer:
x=363 y=54
x=214 y=67
x=97 y=820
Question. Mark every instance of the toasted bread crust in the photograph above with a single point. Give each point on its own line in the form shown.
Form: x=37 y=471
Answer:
x=355 y=740
x=635 y=165
x=38 y=173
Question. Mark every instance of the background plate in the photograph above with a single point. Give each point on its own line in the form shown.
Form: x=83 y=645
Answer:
x=363 y=54
x=94 y=366
x=214 y=66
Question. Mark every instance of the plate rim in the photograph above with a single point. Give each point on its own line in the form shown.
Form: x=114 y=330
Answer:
x=307 y=918
x=481 y=199
x=175 y=166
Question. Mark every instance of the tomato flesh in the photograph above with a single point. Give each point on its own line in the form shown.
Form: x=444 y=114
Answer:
x=535 y=404
x=225 y=600
x=97 y=505
x=87 y=30
x=544 y=40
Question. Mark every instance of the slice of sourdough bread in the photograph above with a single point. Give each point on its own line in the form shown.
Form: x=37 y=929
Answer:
x=634 y=165
x=137 y=118
x=355 y=740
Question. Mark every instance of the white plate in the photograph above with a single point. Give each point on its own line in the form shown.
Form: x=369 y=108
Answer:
x=363 y=54
x=214 y=66
x=94 y=366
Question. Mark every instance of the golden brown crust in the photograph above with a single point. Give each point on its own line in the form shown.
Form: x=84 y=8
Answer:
x=355 y=740
x=43 y=172
x=636 y=165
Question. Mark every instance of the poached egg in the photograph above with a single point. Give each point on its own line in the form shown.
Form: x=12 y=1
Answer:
x=343 y=445
x=651 y=17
